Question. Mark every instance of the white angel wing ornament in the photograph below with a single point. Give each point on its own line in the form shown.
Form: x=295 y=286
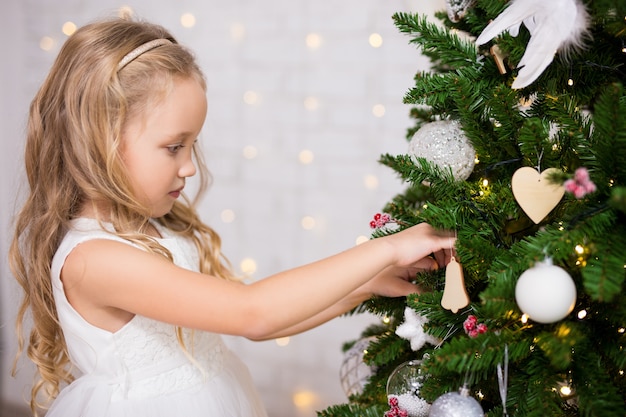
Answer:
x=553 y=25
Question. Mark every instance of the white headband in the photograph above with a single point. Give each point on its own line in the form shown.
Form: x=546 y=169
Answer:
x=140 y=50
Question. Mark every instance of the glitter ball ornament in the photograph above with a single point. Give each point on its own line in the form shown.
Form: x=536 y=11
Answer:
x=404 y=384
x=444 y=144
x=354 y=373
x=545 y=292
x=456 y=404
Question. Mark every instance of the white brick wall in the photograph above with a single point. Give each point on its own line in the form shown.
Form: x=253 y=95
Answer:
x=270 y=194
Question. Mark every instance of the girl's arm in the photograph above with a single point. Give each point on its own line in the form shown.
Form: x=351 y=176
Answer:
x=105 y=279
x=391 y=282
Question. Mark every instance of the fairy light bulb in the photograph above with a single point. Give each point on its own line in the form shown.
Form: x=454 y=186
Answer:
x=570 y=82
x=565 y=390
x=582 y=314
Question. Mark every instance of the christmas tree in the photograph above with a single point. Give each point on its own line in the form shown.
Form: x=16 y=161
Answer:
x=519 y=145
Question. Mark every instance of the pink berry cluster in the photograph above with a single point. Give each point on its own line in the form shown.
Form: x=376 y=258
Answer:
x=581 y=184
x=472 y=327
x=380 y=220
x=395 y=410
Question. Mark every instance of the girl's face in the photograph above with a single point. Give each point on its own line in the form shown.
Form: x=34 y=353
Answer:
x=157 y=145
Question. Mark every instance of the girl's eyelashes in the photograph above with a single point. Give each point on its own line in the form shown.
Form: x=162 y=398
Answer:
x=175 y=148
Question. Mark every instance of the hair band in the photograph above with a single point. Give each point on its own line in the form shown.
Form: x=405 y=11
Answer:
x=141 y=49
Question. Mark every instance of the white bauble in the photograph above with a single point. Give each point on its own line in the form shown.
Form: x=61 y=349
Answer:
x=456 y=404
x=545 y=292
x=444 y=144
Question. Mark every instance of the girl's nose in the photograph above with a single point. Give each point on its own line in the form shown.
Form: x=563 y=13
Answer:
x=188 y=169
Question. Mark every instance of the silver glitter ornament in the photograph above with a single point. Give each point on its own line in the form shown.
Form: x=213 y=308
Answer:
x=354 y=374
x=444 y=144
x=404 y=384
x=456 y=404
x=458 y=8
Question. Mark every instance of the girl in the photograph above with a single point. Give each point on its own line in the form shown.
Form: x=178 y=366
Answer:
x=127 y=288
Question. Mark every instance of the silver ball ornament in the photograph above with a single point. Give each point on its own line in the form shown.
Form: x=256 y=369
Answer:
x=444 y=144
x=456 y=404
x=545 y=292
x=354 y=374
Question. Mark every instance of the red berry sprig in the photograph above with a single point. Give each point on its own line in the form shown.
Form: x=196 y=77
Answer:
x=380 y=220
x=395 y=410
x=472 y=327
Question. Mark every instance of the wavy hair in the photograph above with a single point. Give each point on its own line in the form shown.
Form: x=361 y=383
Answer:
x=72 y=158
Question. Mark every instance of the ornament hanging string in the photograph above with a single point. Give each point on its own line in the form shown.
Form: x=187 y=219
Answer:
x=539 y=157
x=503 y=379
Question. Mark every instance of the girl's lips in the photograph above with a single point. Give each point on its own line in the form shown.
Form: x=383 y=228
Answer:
x=175 y=194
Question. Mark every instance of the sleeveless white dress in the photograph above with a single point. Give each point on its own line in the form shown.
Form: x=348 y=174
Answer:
x=141 y=370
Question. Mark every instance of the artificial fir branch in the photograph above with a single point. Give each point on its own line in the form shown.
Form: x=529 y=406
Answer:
x=571 y=116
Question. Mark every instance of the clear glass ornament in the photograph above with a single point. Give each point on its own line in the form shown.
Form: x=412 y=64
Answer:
x=404 y=383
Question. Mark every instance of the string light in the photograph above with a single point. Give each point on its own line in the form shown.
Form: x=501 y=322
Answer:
x=307 y=223
x=237 y=31
x=304 y=399
x=68 y=28
x=188 y=20
x=249 y=152
x=305 y=156
x=250 y=97
x=46 y=43
x=565 y=390
x=313 y=41
x=378 y=110
x=371 y=182
x=570 y=81
x=227 y=215
x=248 y=266
x=282 y=341
x=375 y=40
x=361 y=239
x=125 y=12
x=524 y=318
x=582 y=314
x=581 y=251
x=311 y=103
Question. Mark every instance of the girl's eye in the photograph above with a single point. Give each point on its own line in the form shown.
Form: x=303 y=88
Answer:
x=175 y=148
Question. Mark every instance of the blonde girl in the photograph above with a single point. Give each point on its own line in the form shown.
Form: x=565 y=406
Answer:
x=127 y=287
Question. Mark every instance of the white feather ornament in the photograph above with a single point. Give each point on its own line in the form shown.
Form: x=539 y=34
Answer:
x=553 y=25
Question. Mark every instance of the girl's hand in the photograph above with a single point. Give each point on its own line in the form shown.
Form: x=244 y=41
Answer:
x=395 y=280
x=412 y=245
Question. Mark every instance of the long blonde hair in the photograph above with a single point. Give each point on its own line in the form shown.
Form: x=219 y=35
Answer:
x=72 y=157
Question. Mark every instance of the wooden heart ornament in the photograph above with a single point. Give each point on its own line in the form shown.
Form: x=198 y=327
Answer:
x=535 y=194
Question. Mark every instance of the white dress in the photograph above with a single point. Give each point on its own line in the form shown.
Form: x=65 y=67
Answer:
x=141 y=370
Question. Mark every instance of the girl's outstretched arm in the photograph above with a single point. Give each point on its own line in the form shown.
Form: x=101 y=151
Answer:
x=391 y=282
x=106 y=281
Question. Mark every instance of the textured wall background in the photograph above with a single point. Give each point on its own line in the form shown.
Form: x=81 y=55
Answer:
x=302 y=101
